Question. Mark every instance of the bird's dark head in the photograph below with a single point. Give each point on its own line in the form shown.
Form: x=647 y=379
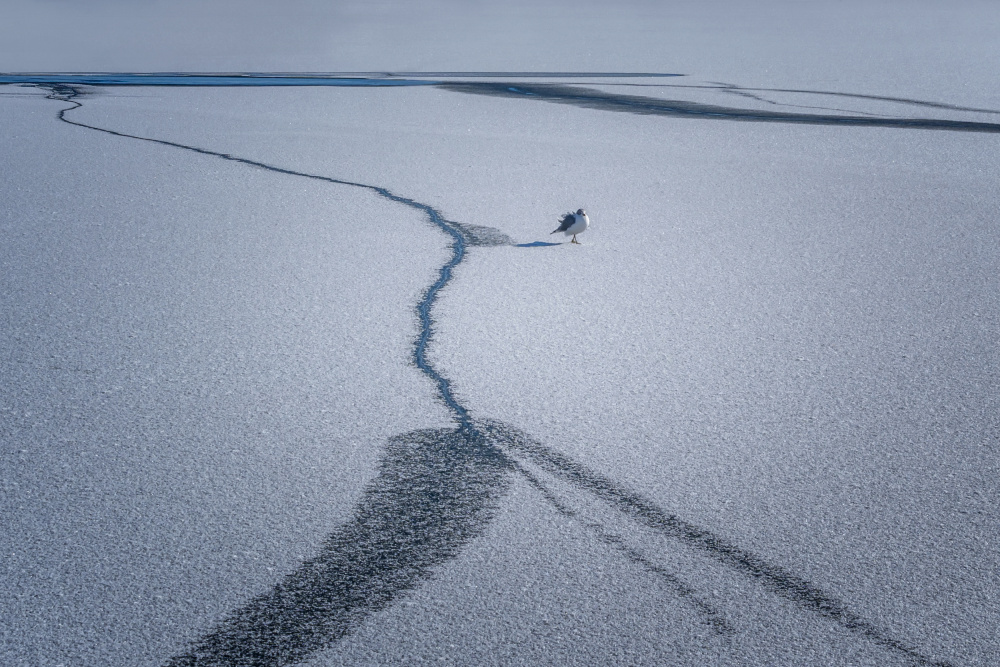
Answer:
x=581 y=212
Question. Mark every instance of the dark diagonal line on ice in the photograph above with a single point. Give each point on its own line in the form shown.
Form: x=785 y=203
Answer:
x=774 y=577
x=589 y=98
x=877 y=98
x=732 y=88
x=744 y=92
x=712 y=616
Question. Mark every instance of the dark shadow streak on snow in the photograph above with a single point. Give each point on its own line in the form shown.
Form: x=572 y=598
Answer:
x=740 y=90
x=733 y=89
x=711 y=615
x=436 y=490
x=647 y=513
x=590 y=98
x=537 y=244
x=861 y=96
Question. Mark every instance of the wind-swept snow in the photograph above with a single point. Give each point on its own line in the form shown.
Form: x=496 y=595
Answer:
x=750 y=420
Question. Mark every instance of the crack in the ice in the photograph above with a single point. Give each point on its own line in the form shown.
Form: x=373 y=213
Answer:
x=462 y=236
x=436 y=490
x=647 y=513
x=733 y=88
x=712 y=616
x=590 y=98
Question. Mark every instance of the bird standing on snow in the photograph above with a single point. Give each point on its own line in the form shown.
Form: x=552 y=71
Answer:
x=573 y=224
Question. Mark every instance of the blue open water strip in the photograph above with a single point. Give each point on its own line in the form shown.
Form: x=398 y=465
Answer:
x=219 y=80
x=288 y=79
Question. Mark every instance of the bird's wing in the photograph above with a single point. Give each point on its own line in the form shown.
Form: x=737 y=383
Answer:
x=565 y=223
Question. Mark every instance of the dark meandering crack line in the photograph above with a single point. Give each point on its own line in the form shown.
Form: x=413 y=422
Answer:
x=436 y=490
x=462 y=236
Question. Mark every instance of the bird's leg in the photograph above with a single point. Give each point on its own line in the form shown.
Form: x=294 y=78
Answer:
x=574 y=240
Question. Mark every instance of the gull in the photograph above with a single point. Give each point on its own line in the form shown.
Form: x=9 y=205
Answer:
x=573 y=224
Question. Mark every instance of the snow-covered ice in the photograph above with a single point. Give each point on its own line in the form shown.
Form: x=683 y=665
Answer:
x=752 y=419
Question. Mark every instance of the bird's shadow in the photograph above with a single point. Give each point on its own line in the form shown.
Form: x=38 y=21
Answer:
x=536 y=244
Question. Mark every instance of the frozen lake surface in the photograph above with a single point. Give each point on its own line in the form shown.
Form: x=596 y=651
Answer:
x=295 y=373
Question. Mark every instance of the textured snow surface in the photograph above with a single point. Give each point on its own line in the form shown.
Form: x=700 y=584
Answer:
x=752 y=419
x=202 y=363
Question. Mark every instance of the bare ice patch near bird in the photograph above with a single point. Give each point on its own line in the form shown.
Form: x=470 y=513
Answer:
x=482 y=236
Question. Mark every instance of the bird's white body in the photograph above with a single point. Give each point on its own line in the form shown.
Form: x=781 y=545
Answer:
x=579 y=225
x=573 y=224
